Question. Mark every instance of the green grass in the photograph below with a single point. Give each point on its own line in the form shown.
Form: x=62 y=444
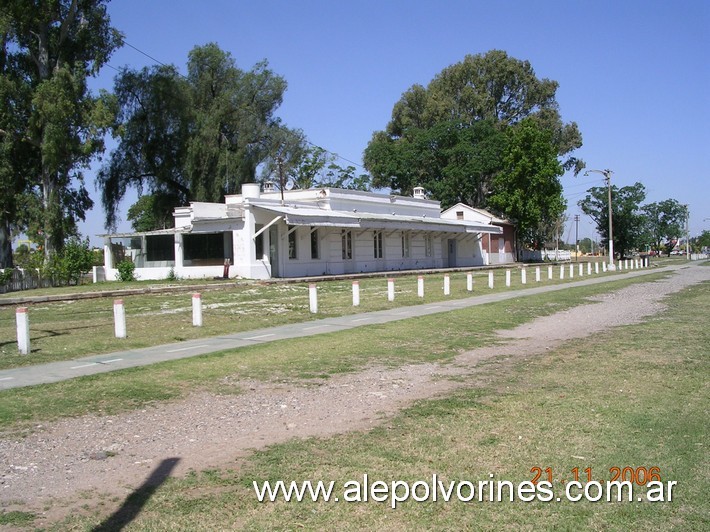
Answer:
x=635 y=396
x=66 y=330
x=428 y=338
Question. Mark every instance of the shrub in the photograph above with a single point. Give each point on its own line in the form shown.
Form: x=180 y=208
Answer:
x=126 y=271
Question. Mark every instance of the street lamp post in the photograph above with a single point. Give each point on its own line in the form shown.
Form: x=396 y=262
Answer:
x=607 y=176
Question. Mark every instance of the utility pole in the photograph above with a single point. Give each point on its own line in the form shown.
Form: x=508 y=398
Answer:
x=687 y=233
x=607 y=176
x=576 y=237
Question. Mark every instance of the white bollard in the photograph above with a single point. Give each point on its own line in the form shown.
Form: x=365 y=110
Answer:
x=524 y=276
x=646 y=260
x=537 y=274
x=589 y=268
x=490 y=279
x=420 y=286
x=571 y=271
x=636 y=262
x=562 y=272
x=549 y=273
x=469 y=282
x=632 y=264
x=596 y=267
x=604 y=267
x=390 y=289
x=119 y=318
x=581 y=270
x=447 y=284
x=356 y=293
x=507 y=277
x=197 y=310
x=313 y=298
x=23 y=330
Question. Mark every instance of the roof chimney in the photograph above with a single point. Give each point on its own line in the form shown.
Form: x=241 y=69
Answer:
x=268 y=186
x=419 y=193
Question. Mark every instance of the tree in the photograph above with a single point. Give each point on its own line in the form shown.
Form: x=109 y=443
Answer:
x=447 y=136
x=52 y=47
x=528 y=188
x=627 y=219
x=193 y=138
x=702 y=242
x=149 y=213
x=664 y=222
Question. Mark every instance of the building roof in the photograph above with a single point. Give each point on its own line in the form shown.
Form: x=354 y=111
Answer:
x=366 y=220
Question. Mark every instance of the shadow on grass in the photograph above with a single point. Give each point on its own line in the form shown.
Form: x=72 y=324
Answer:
x=135 y=502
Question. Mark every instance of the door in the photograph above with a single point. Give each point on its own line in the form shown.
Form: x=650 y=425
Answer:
x=274 y=250
x=452 y=253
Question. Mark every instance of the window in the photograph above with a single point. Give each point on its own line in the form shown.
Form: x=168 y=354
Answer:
x=459 y=215
x=292 y=241
x=428 y=245
x=315 y=252
x=346 y=240
x=160 y=247
x=259 y=242
x=378 y=244
x=405 y=245
x=207 y=248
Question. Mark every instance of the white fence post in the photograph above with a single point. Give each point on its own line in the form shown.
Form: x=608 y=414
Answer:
x=420 y=286
x=356 y=293
x=469 y=282
x=562 y=272
x=23 y=330
x=197 y=310
x=589 y=268
x=524 y=275
x=549 y=273
x=571 y=271
x=313 y=298
x=119 y=318
x=507 y=277
x=537 y=274
x=390 y=289
x=490 y=279
x=604 y=267
x=447 y=284
x=581 y=269
x=596 y=267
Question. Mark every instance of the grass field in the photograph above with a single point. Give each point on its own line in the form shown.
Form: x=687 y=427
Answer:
x=69 y=329
x=636 y=396
x=424 y=339
x=547 y=412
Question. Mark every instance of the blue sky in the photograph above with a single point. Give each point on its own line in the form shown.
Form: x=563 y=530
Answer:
x=634 y=75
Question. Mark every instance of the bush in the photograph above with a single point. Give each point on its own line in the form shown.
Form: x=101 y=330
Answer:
x=6 y=275
x=172 y=276
x=69 y=265
x=126 y=271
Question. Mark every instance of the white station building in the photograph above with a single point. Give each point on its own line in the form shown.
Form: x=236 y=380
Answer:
x=302 y=233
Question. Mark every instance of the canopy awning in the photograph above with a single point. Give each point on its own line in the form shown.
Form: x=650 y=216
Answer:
x=367 y=220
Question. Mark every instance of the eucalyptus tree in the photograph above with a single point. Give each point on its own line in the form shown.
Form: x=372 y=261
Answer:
x=195 y=137
x=49 y=50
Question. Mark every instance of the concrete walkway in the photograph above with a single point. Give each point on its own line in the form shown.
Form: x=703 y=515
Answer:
x=91 y=365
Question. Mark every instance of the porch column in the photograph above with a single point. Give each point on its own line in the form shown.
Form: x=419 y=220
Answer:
x=179 y=263
x=108 y=256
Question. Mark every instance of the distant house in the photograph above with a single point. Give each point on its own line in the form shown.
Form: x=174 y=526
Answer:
x=323 y=231
x=497 y=248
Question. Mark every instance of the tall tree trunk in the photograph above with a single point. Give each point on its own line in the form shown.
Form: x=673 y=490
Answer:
x=5 y=245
